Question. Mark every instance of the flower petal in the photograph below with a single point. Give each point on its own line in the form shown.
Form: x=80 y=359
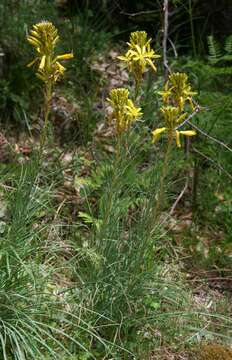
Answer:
x=32 y=62
x=42 y=62
x=188 y=132
x=65 y=56
x=151 y=64
x=157 y=132
x=178 y=139
x=33 y=41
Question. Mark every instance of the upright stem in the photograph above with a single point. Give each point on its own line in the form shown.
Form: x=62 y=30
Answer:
x=109 y=200
x=195 y=183
x=163 y=176
x=47 y=110
x=137 y=89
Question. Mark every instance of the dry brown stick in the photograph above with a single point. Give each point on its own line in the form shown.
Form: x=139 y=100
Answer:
x=165 y=38
x=173 y=47
x=146 y=12
x=179 y=197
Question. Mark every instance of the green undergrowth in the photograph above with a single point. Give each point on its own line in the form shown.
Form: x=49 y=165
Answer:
x=94 y=275
x=100 y=281
x=211 y=236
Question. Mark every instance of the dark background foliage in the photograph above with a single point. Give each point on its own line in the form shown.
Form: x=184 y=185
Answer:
x=86 y=23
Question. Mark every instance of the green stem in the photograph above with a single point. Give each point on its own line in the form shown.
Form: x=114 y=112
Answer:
x=160 y=198
x=137 y=89
x=114 y=181
x=47 y=110
x=195 y=182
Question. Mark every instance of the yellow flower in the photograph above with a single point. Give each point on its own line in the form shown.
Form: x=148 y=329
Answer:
x=44 y=37
x=124 y=110
x=170 y=114
x=140 y=55
x=181 y=89
x=172 y=117
x=132 y=111
x=166 y=93
x=157 y=132
x=177 y=91
x=185 y=133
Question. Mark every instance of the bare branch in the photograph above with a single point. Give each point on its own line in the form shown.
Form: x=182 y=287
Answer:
x=147 y=12
x=209 y=136
x=165 y=38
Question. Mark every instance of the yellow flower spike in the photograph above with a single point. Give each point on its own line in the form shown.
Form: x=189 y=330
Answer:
x=118 y=98
x=140 y=55
x=138 y=37
x=170 y=114
x=124 y=110
x=181 y=90
x=157 y=133
x=44 y=37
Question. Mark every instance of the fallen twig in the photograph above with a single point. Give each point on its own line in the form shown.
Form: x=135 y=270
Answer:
x=179 y=197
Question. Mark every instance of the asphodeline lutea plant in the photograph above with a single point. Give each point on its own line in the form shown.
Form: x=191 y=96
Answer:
x=139 y=56
x=44 y=37
x=176 y=95
x=124 y=112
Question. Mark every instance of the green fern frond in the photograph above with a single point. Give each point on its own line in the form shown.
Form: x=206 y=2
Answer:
x=214 y=50
x=227 y=57
x=227 y=71
x=228 y=45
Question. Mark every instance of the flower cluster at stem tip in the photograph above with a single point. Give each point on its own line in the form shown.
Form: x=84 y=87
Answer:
x=176 y=95
x=178 y=91
x=140 y=55
x=44 y=37
x=137 y=59
x=124 y=110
